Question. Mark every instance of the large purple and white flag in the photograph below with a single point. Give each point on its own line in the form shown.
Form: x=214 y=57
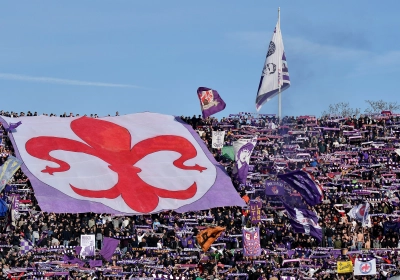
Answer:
x=304 y=221
x=275 y=74
x=132 y=164
x=243 y=150
x=305 y=184
x=274 y=188
x=251 y=242
x=210 y=101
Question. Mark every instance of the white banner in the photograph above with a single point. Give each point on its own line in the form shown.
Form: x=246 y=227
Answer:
x=88 y=245
x=218 y=139
x=365 y=267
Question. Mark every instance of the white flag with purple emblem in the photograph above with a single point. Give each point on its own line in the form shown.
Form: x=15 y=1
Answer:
x=218 y=139
x=243 y=149
x=275 y=74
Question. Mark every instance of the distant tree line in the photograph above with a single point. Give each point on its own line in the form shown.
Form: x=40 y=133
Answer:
x=374 y=107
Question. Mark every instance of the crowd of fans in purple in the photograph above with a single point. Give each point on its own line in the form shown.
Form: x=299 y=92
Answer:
x=353 y=158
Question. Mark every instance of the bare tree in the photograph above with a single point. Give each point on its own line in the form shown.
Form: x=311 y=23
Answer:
x=380 y=105
x=341 y=109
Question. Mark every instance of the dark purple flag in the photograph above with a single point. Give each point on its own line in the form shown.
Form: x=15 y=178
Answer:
x=251 y=242
x=94 y=263
x=73 y=260
x=14 y=126
x=305 y=184
x=210 y=101
x=109 y=246
x=273 y=188
x=304 y=221
x=255 y=211
x=78 y=250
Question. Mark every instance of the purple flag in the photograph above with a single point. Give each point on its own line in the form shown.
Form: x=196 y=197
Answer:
x=305 y=184
x=255 y=211
x=210 y=101
x=94 y=263
x=78 y=250
x=13 y=126
x=109 y=246
x=73 y=260
x=193 y=181
x=243 y=150
x=304 y=221
x=251 y=242
x=273 y=188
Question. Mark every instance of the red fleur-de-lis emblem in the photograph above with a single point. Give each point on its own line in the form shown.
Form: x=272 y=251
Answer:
x=112 y=143
x=365 y=268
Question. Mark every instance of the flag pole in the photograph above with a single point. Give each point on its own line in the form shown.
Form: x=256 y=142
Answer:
x=279 y=77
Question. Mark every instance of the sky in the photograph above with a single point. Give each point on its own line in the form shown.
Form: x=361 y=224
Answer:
x=133 y=56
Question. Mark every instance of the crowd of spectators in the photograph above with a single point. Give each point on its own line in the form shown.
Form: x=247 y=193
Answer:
x=354 y=159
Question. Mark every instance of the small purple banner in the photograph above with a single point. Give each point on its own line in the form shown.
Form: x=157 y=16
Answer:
x=251 y=242
x=210 y=101
x=255 y=211
x=273 y=188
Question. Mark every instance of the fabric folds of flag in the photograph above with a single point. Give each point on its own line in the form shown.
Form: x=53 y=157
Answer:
x=109 y=246
x=275 y=74
x=305 y=184
x=243 y=150
x=206 y=237
x=210 y=101
x=304 y=221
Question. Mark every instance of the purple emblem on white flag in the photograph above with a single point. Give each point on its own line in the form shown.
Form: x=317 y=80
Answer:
x=304 y=221
x=242 y=157
x=305 y=184
x=275 y=74
x=210 y=101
